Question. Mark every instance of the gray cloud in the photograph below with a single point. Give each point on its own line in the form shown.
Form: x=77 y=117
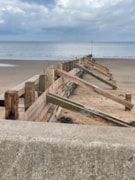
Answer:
x=67 y=19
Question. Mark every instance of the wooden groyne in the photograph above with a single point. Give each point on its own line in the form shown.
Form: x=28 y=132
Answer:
x=44 y=95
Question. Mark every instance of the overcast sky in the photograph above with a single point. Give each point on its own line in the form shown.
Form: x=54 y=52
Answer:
x=67 y=20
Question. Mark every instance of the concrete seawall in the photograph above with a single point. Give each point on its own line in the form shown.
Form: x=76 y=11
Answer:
x=50 y=151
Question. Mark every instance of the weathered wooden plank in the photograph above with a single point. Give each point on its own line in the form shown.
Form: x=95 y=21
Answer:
x=77 y=107
x=60 y=66
x=34 y=111
x=49 y=113
x=50 y=76
x=98 y=90
x=37 y=107
x=94 y=63
x=56 y=112
x=21 y=87
x=11 y=105
x=42 y=84
x=64 y=66
x=97 y=77
x=128 y=97
x=29 y=96
x=90 y=66
x=43 y=115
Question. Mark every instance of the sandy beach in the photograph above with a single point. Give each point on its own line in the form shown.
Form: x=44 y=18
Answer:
x=122 y=70
x=20 y=71
x=124 y=73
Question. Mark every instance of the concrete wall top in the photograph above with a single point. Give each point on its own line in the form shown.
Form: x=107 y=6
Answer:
x=53 y=151
x=41 y=131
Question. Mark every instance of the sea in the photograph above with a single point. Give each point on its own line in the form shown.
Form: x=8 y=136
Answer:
x=65 y=50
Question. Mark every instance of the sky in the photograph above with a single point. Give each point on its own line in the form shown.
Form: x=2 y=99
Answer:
x=67 y=20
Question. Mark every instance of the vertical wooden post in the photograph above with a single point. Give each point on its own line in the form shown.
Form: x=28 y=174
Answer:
x=50 y=76
x=42 y=84
x=11 y=105
x=29 y=96
x=111 y=77
x=64 y=66
x=128 y=97
x=60 y=66
x=72 y=62
x=90 y=57
x=68 y=66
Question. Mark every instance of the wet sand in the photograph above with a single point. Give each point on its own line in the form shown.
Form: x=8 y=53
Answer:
x=20 y=71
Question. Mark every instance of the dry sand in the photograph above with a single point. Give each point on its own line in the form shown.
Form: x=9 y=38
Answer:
x=122 y=70
x=124 y=74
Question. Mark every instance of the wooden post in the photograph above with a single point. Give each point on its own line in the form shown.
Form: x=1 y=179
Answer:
x=11 y=105
x=29 y=96
x=73 y=66
x=70 y=65
x=128 y=97
x=50 y=76
x=64 y=66
x=67 y=66
x=42 y=83
x=60 y=66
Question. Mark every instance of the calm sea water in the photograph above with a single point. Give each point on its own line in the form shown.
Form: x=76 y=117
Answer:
x=64 y=51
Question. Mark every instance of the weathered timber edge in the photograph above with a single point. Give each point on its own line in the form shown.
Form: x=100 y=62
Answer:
x=34 y=150
x=87 y=110
x=113 y=85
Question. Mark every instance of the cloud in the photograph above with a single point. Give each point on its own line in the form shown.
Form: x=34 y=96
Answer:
x=67 y=19
x=43 y=2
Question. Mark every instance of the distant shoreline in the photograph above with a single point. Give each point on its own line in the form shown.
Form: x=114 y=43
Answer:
x=57 y=60
x=12 y=63
x=113 y=58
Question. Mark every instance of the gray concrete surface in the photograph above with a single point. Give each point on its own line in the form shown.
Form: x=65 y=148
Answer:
x=49 y=151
